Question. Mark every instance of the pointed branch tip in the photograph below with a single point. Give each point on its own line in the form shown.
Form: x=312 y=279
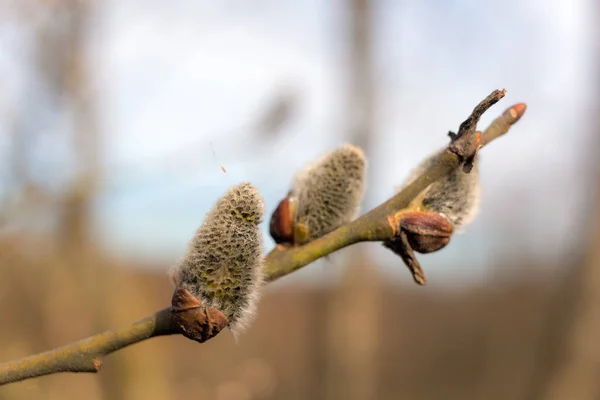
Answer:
x=517 y=111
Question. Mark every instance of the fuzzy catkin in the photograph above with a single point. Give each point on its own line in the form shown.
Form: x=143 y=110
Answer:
x=223 y=266
x=329 y=192
x=456 y=196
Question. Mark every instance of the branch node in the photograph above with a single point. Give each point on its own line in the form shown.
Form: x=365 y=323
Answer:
x=97 y=363
x=467 y=142
x=394 y=224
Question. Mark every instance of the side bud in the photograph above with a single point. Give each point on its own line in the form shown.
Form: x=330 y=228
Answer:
x=451 y=203
x=456 y=196
x=427 y=232
x=424 y=232
x=445 y=206
x=324 y=196
x=222 y=270
x=281 y=226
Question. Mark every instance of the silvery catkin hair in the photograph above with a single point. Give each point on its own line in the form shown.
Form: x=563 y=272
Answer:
x=224 y=261
x=329 y=191
x=456 y=196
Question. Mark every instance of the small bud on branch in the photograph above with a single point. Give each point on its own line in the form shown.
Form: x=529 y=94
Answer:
x=193 y=320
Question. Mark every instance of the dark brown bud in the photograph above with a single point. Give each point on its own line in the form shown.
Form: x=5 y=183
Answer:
x=426 y=231
x=281 y=226
x=192 y=321
x=419 y=231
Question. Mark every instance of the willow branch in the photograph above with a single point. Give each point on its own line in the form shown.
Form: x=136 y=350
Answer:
x=86 y=355
x=376 y=225
x=502 y=124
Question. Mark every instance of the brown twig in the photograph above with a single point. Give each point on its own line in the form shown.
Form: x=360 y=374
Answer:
x=469 y=125
x=86 y=355
x=466 y=143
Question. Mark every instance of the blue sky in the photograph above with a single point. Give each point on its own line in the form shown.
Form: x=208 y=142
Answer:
x=176 y=80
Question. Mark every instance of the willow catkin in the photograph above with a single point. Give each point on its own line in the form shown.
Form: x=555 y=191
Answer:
x=456 y=196
x=223 y=266
x=328 y=193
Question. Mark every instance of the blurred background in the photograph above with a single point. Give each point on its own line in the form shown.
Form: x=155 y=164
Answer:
x=121 y=122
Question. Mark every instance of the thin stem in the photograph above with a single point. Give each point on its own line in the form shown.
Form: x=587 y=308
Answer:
x=86 y=355
x=502 y=124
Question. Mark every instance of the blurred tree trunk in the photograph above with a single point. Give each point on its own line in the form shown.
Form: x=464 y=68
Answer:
x=74 y=78
x=353 y=335
x=353 y=332
x=108 y=290
x=578 y=370
x=78 y=274
x=578 y=376
x=57 y=40
x=361 y=97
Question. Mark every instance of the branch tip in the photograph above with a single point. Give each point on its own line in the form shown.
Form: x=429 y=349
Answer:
x=516 y=112
x=503 y=123
x=470 y=123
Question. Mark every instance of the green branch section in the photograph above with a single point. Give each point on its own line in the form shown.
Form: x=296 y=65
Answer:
x=86 y=355
x=372 y=226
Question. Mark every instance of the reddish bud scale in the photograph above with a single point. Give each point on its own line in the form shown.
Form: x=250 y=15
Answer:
x=281 y=226
x=516 y=111
x=426 y=231
x=192 y=321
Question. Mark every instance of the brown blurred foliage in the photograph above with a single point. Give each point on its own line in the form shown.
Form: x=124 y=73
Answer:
x=483 y=342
